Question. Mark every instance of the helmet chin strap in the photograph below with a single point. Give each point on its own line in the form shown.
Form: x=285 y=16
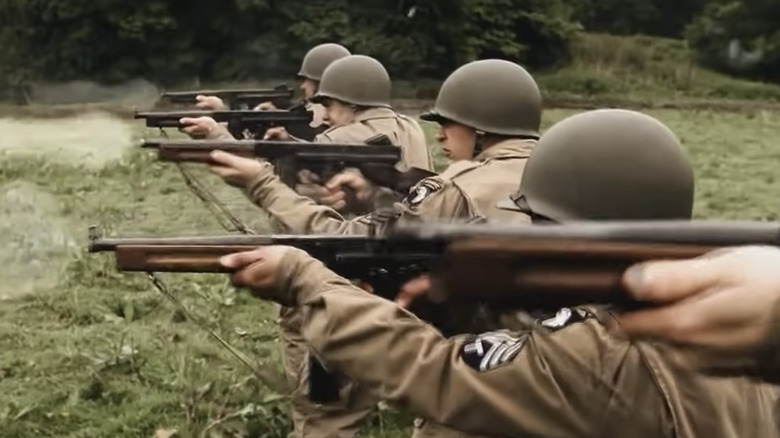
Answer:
x=478 y=143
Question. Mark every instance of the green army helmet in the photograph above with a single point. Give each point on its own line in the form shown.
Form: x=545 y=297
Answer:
x=491 y=95
x=319 y=58
x=357 y=80
x=608 y=164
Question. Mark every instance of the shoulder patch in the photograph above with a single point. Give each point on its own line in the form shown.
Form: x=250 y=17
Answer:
x=422 y=190
x=565 y=317
x=491 y=350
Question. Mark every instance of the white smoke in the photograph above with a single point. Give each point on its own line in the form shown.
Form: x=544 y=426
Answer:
x=35 y=244
x=90 y=140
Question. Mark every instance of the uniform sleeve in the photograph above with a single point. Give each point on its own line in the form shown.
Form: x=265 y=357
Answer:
x=433 y=199
x=297 y=214
x=501 y=383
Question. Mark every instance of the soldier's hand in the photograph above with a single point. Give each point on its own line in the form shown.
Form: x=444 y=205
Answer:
x=200 y=127
x=259 y=271
x=277 y=133
x=722 y=302
x=213 y=103
x=308 y=177
x=412 y=290
x=234 y=170
x=265 y=106
x=337 y=197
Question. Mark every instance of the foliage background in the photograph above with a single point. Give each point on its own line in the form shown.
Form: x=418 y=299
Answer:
x=178 y=41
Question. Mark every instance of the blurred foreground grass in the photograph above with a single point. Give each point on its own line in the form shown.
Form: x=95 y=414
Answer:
x=89 y=352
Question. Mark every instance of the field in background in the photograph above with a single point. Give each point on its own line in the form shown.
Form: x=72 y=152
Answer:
x=89 y=352
x=630 y=72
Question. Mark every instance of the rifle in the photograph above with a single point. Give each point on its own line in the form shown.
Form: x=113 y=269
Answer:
x=512 y=266
x=256 y=122
x=376 y=158
x=509 y=266
x=237 y=99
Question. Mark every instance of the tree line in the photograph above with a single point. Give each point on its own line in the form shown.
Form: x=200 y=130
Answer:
x=171 y=41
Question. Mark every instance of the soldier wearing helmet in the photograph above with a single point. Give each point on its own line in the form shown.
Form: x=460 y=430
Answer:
x=312 y=68
x=468 y=189
x=488 y=156
x=571 y=378
x=355 y=91
x=310 y=73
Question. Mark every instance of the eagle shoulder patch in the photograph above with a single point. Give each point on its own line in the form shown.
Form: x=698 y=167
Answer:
x=491 y=350
x=422 y=190
x=565 y=317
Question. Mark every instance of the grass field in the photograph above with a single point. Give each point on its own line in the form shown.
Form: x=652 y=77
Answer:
x=89 y=352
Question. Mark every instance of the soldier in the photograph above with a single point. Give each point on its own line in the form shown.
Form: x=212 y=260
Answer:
x=356 y=110
x=489 y=115
x=310 y=73
x=722 y=309
x=569 y=378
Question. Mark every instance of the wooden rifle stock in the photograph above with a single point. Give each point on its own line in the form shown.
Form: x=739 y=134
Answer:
x=175 y=258
x=510 y=266
x=539 y=274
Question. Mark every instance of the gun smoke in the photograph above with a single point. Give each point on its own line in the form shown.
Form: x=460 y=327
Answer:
x=35 y=243
x=91 y=140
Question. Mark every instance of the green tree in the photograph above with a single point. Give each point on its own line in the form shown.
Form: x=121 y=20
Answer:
x=740 y=37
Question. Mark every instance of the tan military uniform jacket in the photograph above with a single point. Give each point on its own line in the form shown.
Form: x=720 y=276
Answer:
x=467 y=190
x=402 y=131
x=577 y=381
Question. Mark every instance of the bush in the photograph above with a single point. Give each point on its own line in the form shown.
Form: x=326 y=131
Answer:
x=170 y=41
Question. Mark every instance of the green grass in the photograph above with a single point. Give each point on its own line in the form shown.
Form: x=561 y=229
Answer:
x=86 y=351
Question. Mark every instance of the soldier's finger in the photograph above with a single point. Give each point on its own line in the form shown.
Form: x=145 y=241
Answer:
x=340 y=179
x=265 y=106
x=338 y=205
x=239 y=260
x=255 y=276
x=676 y=323
x=672 y=280
x=333 y=198
x=413 y=289
x=271 y=133
x=224 y=159
x=188 y=121
x=307 y=176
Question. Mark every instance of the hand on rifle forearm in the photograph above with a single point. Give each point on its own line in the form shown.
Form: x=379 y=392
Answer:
x=277 y=133
x=203 y=127
x=265 y=106
x=726 y=302
x=337 y=196
x=284 y=274
x=212 y=103
x=234 y=170
x=415 y=288
x=259 y=270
